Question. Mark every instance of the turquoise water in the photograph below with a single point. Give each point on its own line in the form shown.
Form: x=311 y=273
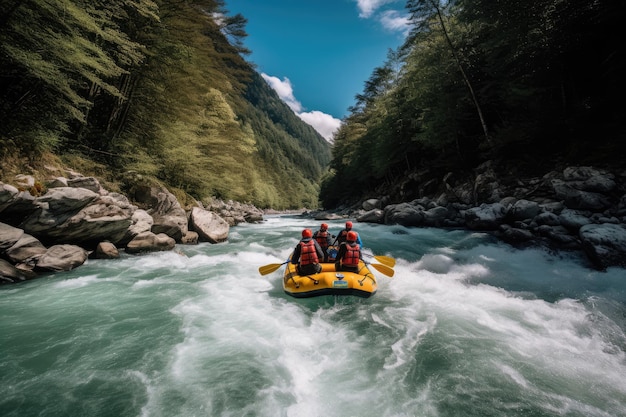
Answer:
x=466 y=327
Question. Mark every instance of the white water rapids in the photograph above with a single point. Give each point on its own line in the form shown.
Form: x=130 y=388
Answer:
x=466 y=327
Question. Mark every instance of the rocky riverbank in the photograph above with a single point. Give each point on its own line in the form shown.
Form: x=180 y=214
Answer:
x=56 y=224
x=578 y=208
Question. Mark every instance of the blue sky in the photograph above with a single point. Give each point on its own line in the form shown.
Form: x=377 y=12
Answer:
x=317 y=54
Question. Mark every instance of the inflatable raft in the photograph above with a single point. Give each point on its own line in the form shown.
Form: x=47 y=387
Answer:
x=329 y=282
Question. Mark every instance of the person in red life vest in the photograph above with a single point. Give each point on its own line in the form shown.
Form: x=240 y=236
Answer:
x=349 y=254
x=307 y=254
x=324 y=239
x=343 y=234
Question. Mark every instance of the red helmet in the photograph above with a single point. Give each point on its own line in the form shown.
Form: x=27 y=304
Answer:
x=351 y=237
x=324 y=226
x=307 y=233
x=348 y=225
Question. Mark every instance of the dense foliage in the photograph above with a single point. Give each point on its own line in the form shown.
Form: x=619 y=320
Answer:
x=158 y=87
x=538 y=82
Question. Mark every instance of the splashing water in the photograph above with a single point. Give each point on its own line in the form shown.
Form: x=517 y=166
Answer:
x=467 y=327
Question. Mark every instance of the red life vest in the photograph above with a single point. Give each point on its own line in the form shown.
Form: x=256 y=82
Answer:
x=351 y=258
x=322 y=238
x=308 y=254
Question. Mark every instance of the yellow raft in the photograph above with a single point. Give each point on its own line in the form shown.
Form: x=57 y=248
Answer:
x=329 y=282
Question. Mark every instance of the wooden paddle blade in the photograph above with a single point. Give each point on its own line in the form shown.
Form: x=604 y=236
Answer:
x=386 y=260
x=384 y=269
x=268 y=269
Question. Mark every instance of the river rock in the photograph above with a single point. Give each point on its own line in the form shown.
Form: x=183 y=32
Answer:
x=435 y=216
x=62 y=258
x=9 y=274
x=515 y=235
x=88 y=183
x=209 y=226
x=106 y=250
x=573 y=220
x=26 y=250
x=65 y=201
x=485 y=217
x=18 y=208
x=9 y=236
x=167 y=213
x=371 y=204
x=590 y=179
x=604 y=244
x=57 y=182
x=578 y=199
x=190 y=238
x=150 y=242
x=524 y=209
x=108 y=217
x=140 y=222
x=405 y=214
x=7 y=195
x=372 y=216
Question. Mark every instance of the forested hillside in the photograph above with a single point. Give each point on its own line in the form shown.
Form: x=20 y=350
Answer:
x=529 y=84
x=160 y=88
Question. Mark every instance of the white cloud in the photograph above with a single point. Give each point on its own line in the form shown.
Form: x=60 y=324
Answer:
x=284 y=90
x=368 y=7
x=325 y=124
x=391 y=19
x=395 y=22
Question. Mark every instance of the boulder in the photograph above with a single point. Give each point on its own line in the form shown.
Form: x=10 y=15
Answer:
x=590 y=179
x=63 y=200
x=372 y=216
x=57 y=182
x=524 y=209
x=106 y=217
x=26 y=250
x=371 y=204
x=548 y=218
x=88 y=183
x=485 y=217
x=573 y=220
x=140 y=222
x=9 y=274
x=515 y=235
x=106 y=250
x=190 y=238
x=18 y=208
x=435 y=216
x=9 y=236
x=8 y=193
x=405 y=214
x=209 y=226
x=167 y=214
x=604 y=244
x=150 y=242
x=62 y=258
x=577 y=199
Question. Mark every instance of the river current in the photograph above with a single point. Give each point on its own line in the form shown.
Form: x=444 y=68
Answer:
x=467 y=326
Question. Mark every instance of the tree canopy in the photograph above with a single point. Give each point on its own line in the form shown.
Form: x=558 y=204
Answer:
x=536 y=82
x=157 y=87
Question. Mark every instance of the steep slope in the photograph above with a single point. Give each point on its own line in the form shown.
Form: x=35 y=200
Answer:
x=161 y=92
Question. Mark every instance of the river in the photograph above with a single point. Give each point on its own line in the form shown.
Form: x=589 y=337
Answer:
x=467 y=326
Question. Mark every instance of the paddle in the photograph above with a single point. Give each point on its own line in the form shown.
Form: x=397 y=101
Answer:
x=268 y=269
x=385 y=260
x=384 y=269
